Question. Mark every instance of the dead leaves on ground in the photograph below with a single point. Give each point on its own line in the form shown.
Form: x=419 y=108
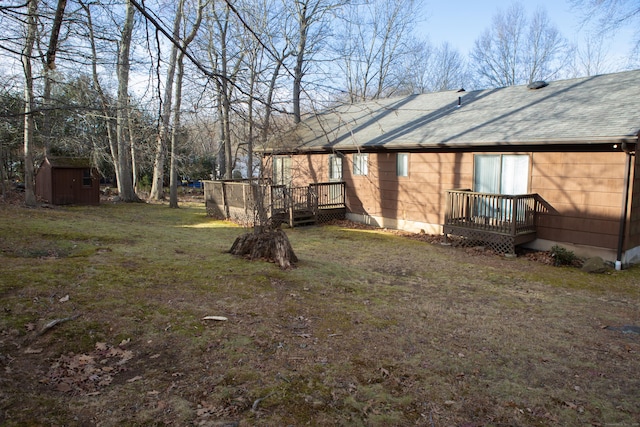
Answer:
x=87 y=372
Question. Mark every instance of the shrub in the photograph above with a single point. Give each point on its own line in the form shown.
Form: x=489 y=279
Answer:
x=562 y=256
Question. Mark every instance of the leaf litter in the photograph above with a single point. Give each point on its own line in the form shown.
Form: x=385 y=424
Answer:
x=88 y=372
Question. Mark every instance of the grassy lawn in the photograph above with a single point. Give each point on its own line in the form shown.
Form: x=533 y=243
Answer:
x=370 y=329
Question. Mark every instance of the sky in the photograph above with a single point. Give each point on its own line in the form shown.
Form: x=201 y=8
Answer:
x=461 y=22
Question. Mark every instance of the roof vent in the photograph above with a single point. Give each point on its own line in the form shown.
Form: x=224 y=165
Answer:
x=537 y=84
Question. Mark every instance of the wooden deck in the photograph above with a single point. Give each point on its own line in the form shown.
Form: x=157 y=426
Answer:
x=498 y=220
x=239 y=201
x=317 y=202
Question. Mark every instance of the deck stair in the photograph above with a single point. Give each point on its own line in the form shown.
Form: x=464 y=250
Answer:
x=304 y=217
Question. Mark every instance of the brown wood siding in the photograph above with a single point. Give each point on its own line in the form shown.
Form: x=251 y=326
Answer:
x=43 y=182
x=633 y=230
x=584 y=192
x=67 y=188
x=306 y=169
x=420 y=196
x=63 y=185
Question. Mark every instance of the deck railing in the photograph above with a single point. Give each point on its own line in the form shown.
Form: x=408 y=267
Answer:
x=238 y=200
x=497 y=213
x=330 y=195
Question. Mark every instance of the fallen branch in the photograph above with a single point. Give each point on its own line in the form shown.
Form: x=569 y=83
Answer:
x=254 y=407
x=55 y=322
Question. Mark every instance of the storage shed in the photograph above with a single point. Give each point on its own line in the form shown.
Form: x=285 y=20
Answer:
x=67 y=181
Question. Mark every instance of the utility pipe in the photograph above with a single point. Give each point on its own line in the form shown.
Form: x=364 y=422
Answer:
x=625 y=204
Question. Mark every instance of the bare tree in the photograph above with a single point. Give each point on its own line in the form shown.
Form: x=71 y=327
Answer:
x=311 y=30
x=545 y=52
x=611 y=15
x=591 y=58
x=106 y=107
x=429 y=69
x=176 y=131
x=516 y=50
x=48 y=65
x=125 y=183
x=29 y=122
x=157 y=182
x=372 y=45
x=225 y=56
x=33 y=29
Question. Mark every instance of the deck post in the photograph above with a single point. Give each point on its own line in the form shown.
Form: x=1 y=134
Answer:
x=514 y=215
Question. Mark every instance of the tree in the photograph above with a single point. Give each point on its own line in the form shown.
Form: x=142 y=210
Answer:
x=176 y=131
x=591 y=58
x=429 y=69
x=226 y=57
x=124 y=165
x=311 y=29
x=29 y=101
x=11 y=125
x=372 y=45
x=517 y=50
x=611 y=15
x=157 y=183
x=48 y=65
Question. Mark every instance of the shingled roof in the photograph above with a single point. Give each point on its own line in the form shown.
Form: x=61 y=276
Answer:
x=589 y=110
x=69 y=162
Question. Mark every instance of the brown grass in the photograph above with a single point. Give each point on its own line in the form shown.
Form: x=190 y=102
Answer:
x=371 y=328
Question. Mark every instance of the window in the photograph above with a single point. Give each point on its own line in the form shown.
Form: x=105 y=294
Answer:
x=402 y=164
x=335 y=167
x=501 y=174
x=86 y=178
x=360 y=163
x=282 y=170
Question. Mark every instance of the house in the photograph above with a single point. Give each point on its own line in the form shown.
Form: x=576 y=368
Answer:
x=455 y=161
x=67 y=180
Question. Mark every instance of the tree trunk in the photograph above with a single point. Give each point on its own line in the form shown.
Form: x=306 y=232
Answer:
x=298 y=71
x=29 y=123
x=175 y=134
x=269 y=245
x=132 y=141
x=104 y=101
x=157 y=183
x=125 y=184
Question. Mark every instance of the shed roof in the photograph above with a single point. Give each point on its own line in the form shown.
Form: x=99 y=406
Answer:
x=589 y=110
x=69 y=162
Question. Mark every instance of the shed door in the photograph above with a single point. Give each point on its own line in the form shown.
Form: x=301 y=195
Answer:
x=65 y=186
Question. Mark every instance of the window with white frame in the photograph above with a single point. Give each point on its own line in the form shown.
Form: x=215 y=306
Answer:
x=501 y=173
x=335 y=167
x=282 y=170
x=360 y=163
x=402 y=164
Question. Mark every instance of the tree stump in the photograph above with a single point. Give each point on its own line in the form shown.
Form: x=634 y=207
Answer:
x=270 y=245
